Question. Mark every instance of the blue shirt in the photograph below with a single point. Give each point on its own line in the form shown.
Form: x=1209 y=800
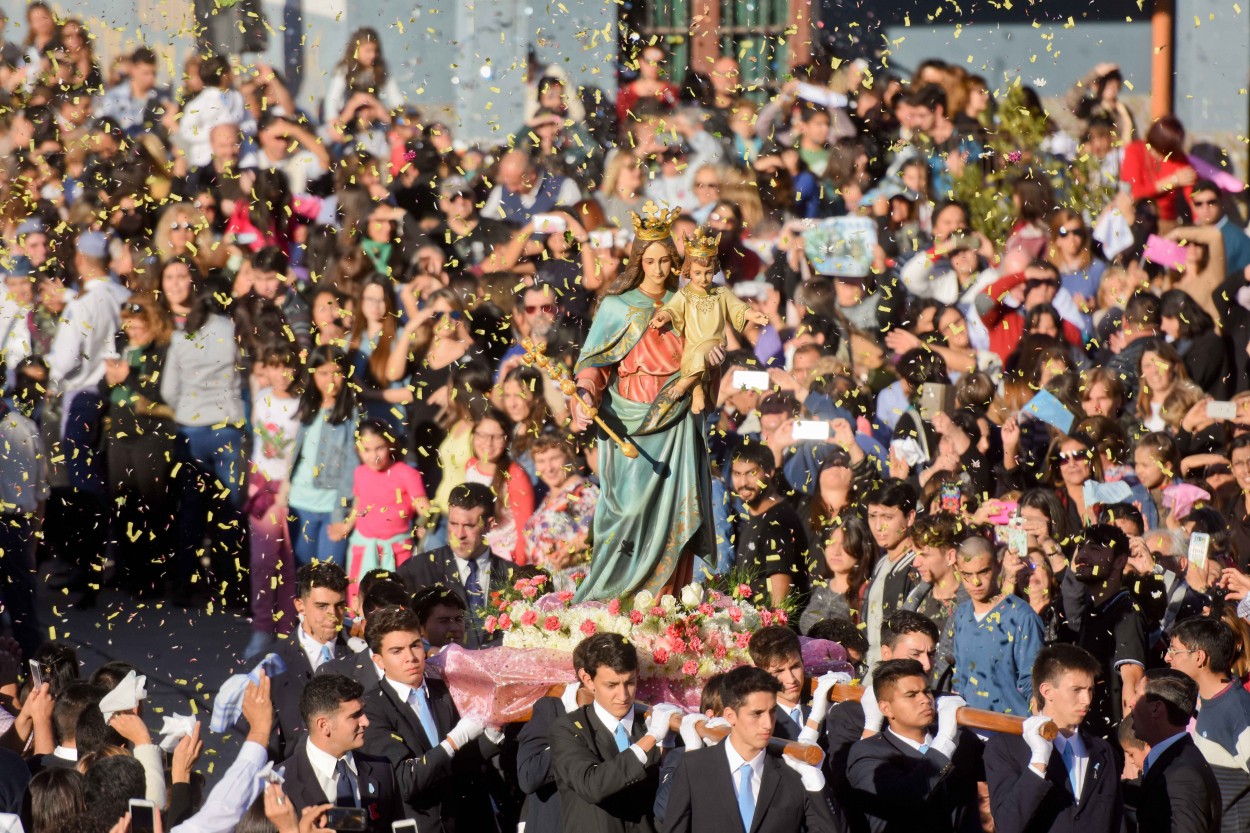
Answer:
x=994 y=657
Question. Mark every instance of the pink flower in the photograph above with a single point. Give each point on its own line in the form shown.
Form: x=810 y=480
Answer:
x=565 y=596
x=744 y=591
x=690 y=668
x=529 y=617
x=706 y=609
x=1014 y=156
x=552 y=623
x=529 y=592
x=578 y=577
x=674 y=631
x=735 y=614
x=696 y=645
x=490 y=624
x=657 y=611
x=505 y=622
x=780 y=617
x=660 y=656
x=589 y=628
x=720 y=652
x=635 y=617
x=743 y=639
x=766 y=617
x=614 y=607
x=678 y=645
x=504 y=604
x=538 y=581
x=520 y=585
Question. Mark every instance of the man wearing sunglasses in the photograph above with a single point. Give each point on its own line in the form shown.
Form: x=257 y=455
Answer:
x=1005 y=304
x=535 y=317
x=1208 y=210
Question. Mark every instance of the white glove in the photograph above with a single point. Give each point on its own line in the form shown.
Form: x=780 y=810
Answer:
x=466 y=731
x=1039 y=747
x=657 y=723
x=947 y=725
x=872 y=714
x=689 y=734
x=716 y=723
x=820 y=700
x=569 y=697
x=813 y=778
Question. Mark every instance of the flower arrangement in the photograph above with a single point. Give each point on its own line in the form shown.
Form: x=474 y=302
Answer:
x=681 y=639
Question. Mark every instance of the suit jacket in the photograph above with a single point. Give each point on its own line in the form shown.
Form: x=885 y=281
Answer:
x=1179 y=793
x=439 y=567
x=285 y=691
x=703 y=798
x=602 y=790
x=443 y=793
x=374 y=778
x=844 y=727
x=898 y=790
x=784 y=727
x=358 y=665
x=534 y=772
x=1024 y=802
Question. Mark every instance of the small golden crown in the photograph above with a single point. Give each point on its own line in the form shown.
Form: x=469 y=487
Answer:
x=702 y=244
x=655 y=223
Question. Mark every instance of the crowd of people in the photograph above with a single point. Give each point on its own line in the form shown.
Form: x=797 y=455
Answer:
x=280 y=359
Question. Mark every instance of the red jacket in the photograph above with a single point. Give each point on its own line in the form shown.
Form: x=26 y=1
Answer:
x=1141 y=171
x=1006 y=324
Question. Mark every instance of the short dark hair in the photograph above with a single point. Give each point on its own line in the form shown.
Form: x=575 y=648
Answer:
x=920 y=366
x=425 y=600
x=742 y=682
x=1212 y=637
x=111 y=783
x=710 y=699
x=470 y=496
x=389 y=620
x=898 y=494
x=1143 y=309
x=887 y=673
x=611 y=650
x=108 y=675
x=384 y=593
x=59 y=664
x=775 y=643
x=940 y=531
x=1112 y=512
x=324 y=694
x=213 y=68
x=1109 y=536
x=1054 y=661
x=1205 y=185
x=92 y=734
x=270 y=259
x=325 y=574
x=77 y=697
x=757 y=453
x=842 y=631
x=143 y=55
x=930 y=97
x=1177 y=693
x=902 y=622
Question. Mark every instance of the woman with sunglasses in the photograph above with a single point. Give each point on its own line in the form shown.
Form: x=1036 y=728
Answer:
x=139 y=441
x=1072 y=254
x=1072 y=462
x=492 y=465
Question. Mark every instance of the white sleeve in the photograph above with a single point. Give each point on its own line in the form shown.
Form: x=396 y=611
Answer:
x=570 y=194
x=171 y=375
x=390 y=95
x=229 y=800
x=66 y=354
x=149 y=754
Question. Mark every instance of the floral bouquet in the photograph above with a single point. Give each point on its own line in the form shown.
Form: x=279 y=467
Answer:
x=681 y=641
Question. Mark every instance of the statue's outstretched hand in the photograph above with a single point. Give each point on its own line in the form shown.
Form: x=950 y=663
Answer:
x=661 y=318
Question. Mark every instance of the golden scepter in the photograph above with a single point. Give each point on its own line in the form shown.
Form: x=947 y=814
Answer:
x=534 y=354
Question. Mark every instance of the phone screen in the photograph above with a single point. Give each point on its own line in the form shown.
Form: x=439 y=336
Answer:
x=346 y=818
x=952 y=498
x=404 y=826
x=142 y=816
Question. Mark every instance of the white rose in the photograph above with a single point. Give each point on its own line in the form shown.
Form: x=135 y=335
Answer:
x=644 y=601
x=692 y=595
x=668 y=603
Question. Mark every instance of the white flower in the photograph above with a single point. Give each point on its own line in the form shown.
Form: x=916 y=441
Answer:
x=644 y=601
x=668 y=603
x=692 y=595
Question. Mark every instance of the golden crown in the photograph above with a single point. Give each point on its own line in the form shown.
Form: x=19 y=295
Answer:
x=655 y=223
x=702 y=245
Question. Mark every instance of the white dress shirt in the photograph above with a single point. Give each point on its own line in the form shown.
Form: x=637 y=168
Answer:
x=611 y=723
x=1080 y=758
x=928 y=741
x=324 y=767
x=312 y=648
x=1159 y=748
x=483 y=572
x=735 y=763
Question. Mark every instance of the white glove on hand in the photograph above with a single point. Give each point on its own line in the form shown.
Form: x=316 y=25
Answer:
x=657 y=723
x=947 y=725
x=466 y=731
x=716 y=723
x=1039 y=747
x=820 y=700
x=689 y=734
x=813 y=778
x=872 y=715
x=569 y=697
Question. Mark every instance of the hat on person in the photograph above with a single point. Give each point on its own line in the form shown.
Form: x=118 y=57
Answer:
x=93 y=244
x=841 y=246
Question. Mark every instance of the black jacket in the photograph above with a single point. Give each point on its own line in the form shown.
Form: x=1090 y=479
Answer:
x=438 y=567
x=534 y=772
x=285 y=691
x=1025 y=802
x=374 y=778
x=1179 y=793
x=602 y=790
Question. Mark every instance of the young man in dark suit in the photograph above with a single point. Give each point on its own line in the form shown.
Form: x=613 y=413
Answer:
x=1179 y=793
x=907 y=778
x=438 y=756
x=465 y=565
x=1070 y=784
x=321 y=602
x=776 y=649
x=606 y=755
x=534 y=773
x=328 y=766
x=771 y=793
x=359 y=664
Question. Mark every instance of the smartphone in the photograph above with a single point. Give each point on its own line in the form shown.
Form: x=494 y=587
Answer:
x=934 y=399
x=1199 y=548
x=603 y=239
x=346 y=818
x=751 y=380
x=1226 y=411
x=811 y=429
x=36 y=674
x=404 y=826
x=952 y=498
x=142 y=816
x=550 y=224
x=1017 y=538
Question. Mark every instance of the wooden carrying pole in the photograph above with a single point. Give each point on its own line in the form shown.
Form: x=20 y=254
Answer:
x=968 y=717
x=808 y=753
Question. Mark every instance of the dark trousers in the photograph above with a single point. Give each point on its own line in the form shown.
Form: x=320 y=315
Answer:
x=212 y=467
x=138 y=477
x=82 y=506
x=17 y=579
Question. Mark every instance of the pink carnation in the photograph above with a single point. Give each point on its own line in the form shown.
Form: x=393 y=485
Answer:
x=696 y=644
x=678 y=645
x=735 y=614
x=578 y=577
x=538 y=581
x=766 y=617
x=520 y=585
x=780 y=617
x=720 y=652
x=706 y=609
x=529 y=617
x=614 y=607
x=690 y=668
x=552 y=623
x=657 y=611
x=505 y=622
x=635 y=617
x=529 y=592
x=660 y=655
x=490 y=624
x=743 y=639
x=565 y=596
x=589 y=628
x=744 y=590
x=504 y=604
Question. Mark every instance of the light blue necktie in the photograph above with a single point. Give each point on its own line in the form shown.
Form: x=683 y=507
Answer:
x=796 y=714
x=419 y=703
x=622 y=738
x=746 y=801
x=326 y=656
x=1069 y=761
